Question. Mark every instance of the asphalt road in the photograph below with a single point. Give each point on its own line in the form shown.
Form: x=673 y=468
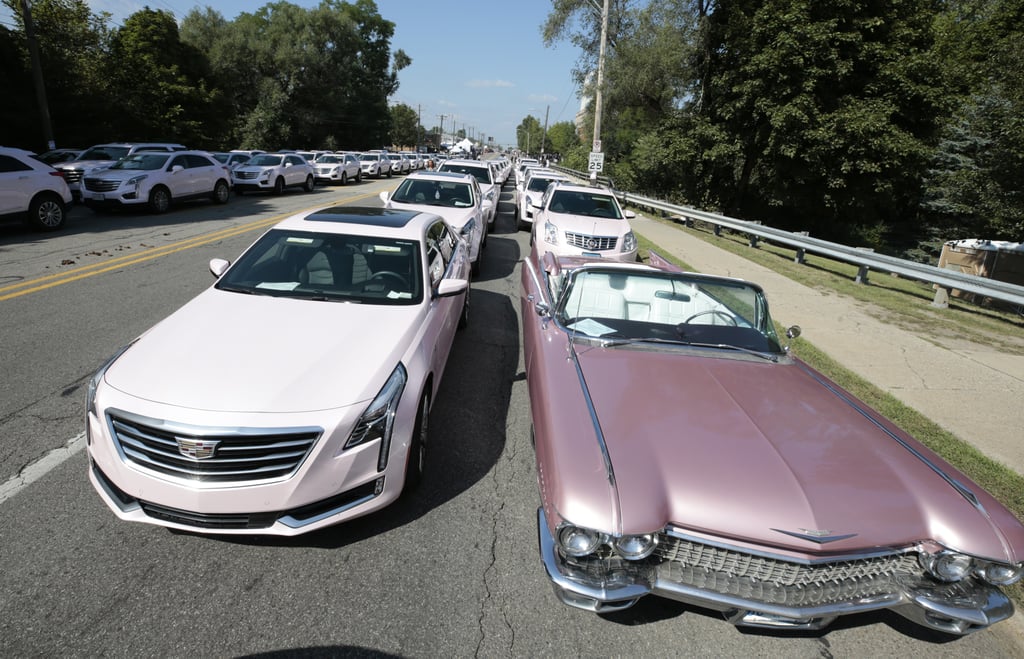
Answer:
x=453 y=572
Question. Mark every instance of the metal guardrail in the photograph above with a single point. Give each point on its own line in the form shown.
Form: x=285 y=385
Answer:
x=944 y=280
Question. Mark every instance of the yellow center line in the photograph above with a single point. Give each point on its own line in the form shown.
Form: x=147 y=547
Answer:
x=57 y=279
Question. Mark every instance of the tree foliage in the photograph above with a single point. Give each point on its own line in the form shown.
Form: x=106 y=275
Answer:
x=282 y=76
x=405 y=126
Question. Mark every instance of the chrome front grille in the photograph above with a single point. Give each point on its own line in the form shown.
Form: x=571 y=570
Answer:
x=246 y=176
x=777 y=581
x=591 y=243
x=72 y=175
x=101 y=185
x=213 y=455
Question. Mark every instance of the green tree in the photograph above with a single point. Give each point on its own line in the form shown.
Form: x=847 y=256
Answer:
x=160 y=84
x=529 y=134
x=405 y=126
x=562 y=137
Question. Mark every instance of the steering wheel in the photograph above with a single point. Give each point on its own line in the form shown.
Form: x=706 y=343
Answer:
x=388 y=274
x=718 y=313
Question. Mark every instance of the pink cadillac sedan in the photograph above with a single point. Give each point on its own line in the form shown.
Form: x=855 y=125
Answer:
x=295 y=392
x=683 y=452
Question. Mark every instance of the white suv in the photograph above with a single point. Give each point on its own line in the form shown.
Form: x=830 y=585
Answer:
x=157 y=179
x=274 y=171
x=32 y=189
x=581 y=220
x=102 y=156
x=338 y=168
x=484 y=175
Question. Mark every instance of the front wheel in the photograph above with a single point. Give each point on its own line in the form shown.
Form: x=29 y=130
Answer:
x=344 y=178
x=309 y=184
x=47 y=212
x=359 y=176
x=159 y=199
x=417 y=459
x=279 y=186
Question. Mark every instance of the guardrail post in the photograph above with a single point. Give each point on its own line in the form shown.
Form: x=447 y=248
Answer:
x=801 y=253
x=753 y=241
x=862 y=275
x=941 y=300
x=718 y=229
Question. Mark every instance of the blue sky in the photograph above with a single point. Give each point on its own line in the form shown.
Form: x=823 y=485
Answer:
x=481 y=64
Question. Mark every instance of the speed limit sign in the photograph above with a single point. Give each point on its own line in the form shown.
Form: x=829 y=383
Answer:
x=596 y=163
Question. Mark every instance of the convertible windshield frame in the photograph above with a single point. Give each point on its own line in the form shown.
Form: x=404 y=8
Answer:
x=630 y=306
x=330 y=267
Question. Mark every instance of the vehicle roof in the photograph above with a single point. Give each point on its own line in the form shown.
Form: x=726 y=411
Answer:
x=583 y=187
x=363 y=220
x=441 y=176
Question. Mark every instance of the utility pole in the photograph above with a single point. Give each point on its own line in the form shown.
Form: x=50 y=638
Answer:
x=544 y=135
x=37 y=74
x=600 y=79
x=440 y=137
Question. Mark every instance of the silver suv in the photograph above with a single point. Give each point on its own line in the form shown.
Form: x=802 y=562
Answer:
x=157 y=179
x=33 y=190
x=102 y=156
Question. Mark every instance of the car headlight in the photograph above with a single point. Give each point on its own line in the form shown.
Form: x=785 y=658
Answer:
x=948 y=566
x=578 y=541
x=550 y=233
x=636 y=547
x=1000 y=574
x=265 y=174
x=629 y=242
x=136 y=180
x=94 y=383
x=378 y=421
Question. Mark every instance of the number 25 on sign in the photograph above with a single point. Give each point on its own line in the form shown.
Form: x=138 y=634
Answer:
x=596 y=163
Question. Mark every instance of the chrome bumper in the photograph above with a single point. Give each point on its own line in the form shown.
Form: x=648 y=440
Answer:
x=975 y=607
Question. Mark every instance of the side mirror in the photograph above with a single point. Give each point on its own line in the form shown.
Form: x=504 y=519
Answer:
x=793 y=332
x=218 y=266
x=451 y=287
x=629 y=214
x=486 y=205
x=384 y=196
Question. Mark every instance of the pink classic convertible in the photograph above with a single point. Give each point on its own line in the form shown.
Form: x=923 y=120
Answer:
x=683 y=452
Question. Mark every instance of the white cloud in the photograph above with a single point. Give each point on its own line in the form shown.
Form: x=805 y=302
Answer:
x=542 y=98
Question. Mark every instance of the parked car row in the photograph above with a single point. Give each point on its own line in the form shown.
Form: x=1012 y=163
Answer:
x=681 y=450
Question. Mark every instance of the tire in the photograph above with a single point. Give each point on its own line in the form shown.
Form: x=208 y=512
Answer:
x=359 y=176
x=474 y=269
x=220 y=192
x=279 y=186
x=389 y=172
x=159 y=199
x=310 y=184
x=47 y=212
x=416 y=461
x=344 y=178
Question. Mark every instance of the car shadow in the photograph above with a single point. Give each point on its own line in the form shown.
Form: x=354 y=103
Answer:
x=466 y=435
x=82 y=220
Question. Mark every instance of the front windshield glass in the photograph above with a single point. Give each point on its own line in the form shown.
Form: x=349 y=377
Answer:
x=329 y=160
x=616 y=304
x=482 y=174
x=266 y=160
x=540 y=183
x=144 y=161
x=104 y=153
x=370 y=156
x=589 y=204
x=329 y=267
x=451 y=194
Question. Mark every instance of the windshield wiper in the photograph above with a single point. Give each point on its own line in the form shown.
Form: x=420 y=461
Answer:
x=612 y=343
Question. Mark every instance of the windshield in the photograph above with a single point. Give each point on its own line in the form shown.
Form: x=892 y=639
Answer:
x=265 y=160
x=104 y=153
x=673 y=307
x=329 y=160
x=329 y=267
x=370 y=156
x=540 y=183
x=146 y=161
x=434 y=193
x=588 y=204
x=482 y=174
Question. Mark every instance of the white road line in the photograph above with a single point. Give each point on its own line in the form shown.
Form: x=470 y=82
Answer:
x=41 y=467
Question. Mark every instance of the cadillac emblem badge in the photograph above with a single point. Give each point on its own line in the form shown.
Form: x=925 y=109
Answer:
x=197 y=449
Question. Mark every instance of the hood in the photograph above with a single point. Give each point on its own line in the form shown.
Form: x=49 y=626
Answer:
x=591 y=226
x=86 y=165
x=455 y=217
x=243 y=353
x=763 y=453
